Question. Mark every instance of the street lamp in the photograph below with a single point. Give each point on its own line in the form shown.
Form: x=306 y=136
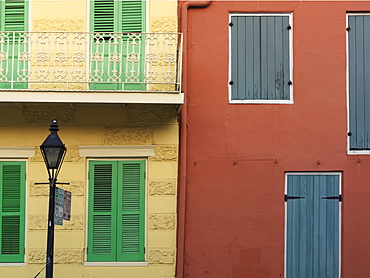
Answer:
x=53 y=152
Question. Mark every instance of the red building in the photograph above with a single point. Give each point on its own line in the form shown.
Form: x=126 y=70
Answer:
x=275 y=166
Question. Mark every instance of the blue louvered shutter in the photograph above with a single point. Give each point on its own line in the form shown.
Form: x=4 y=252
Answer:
x=102 y=212
x=260 y=58
x=12 y=207
x=131 y=213
x=359 y=81
x=312 y=248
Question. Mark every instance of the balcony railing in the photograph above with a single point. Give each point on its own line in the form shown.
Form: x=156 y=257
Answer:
x=72 y=61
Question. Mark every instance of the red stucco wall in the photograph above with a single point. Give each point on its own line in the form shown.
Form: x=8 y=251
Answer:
x=237 y=154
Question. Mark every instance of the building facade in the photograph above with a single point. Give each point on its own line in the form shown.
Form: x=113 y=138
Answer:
x=108 y=71
x=275 y=152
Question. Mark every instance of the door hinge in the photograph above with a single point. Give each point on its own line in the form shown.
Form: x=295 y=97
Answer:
x=348 y=29
x=289 y=27
x=339 y=197
x=231 y=24
x=286 y=197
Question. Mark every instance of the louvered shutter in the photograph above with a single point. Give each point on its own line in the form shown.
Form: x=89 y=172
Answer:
x=359 y=82
x=14 y=16
x=103 y=16
x=102 y=212
x=12 y=193
x=260 y=58
x=132 y=16
x=131 y=212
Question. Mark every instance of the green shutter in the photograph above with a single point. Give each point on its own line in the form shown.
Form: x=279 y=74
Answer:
x=12 y=202
x=131 y=216
x=103 y=16
x=13 y=17
x=132 y=16
x=126 y=16
x=102 y=212
x=116 y=211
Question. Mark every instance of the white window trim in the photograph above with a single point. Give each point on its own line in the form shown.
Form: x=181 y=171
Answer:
x=339 y=213
x=117 y=151
x=16 y=152
x=349 y=151
x=143 y=263
x=260 y=101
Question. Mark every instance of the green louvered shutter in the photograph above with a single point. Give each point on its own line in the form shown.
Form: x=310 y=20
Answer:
x=132 y=16
x=131 y=214
x=102 y=212
x=12 y=202
x=260 y=58
x=14 y=18
x=103 y=16
x=117 y=16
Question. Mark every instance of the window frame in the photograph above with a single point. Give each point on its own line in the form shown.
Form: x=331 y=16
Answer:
x=261 y=101
x=145 y=209
x=23 y=234
x=349 y=150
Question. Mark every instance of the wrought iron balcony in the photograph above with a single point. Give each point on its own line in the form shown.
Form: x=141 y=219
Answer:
x=76 y=62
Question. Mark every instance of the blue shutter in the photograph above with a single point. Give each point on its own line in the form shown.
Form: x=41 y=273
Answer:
x=260 y=59
x=359 y=81
x=312 y=248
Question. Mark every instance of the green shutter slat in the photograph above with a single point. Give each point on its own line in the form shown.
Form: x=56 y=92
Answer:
x=11 y=188
x=130 y=234
x=132 y=16
x=103 y=16
x=12 y=208
x=10 y=235
x=14 y=16
x=102 y=216
x=102 y=235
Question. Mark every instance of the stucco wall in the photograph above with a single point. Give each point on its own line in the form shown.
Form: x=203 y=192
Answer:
x=237 y=155
x=94 y=125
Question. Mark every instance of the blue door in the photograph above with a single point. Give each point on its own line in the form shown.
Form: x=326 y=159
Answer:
x=312 y=219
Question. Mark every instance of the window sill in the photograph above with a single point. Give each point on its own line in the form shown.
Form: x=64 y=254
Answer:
x=261 y=101
x=12 y=264
x=116 y=264
x=358 y=152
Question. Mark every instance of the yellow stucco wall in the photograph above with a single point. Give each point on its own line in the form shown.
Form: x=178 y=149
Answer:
x=98 y=125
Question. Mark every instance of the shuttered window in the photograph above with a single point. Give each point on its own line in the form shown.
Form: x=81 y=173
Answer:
x=260 y=58
x=12 y=207
x=118 y=16
x=13 y=17
x=116 y=211
x=108 y=17
x=359 y=81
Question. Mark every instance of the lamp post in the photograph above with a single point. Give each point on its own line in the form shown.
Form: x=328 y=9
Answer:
x=53 y=152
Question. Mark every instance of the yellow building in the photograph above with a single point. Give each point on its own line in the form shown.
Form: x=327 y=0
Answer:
x=109 y=72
